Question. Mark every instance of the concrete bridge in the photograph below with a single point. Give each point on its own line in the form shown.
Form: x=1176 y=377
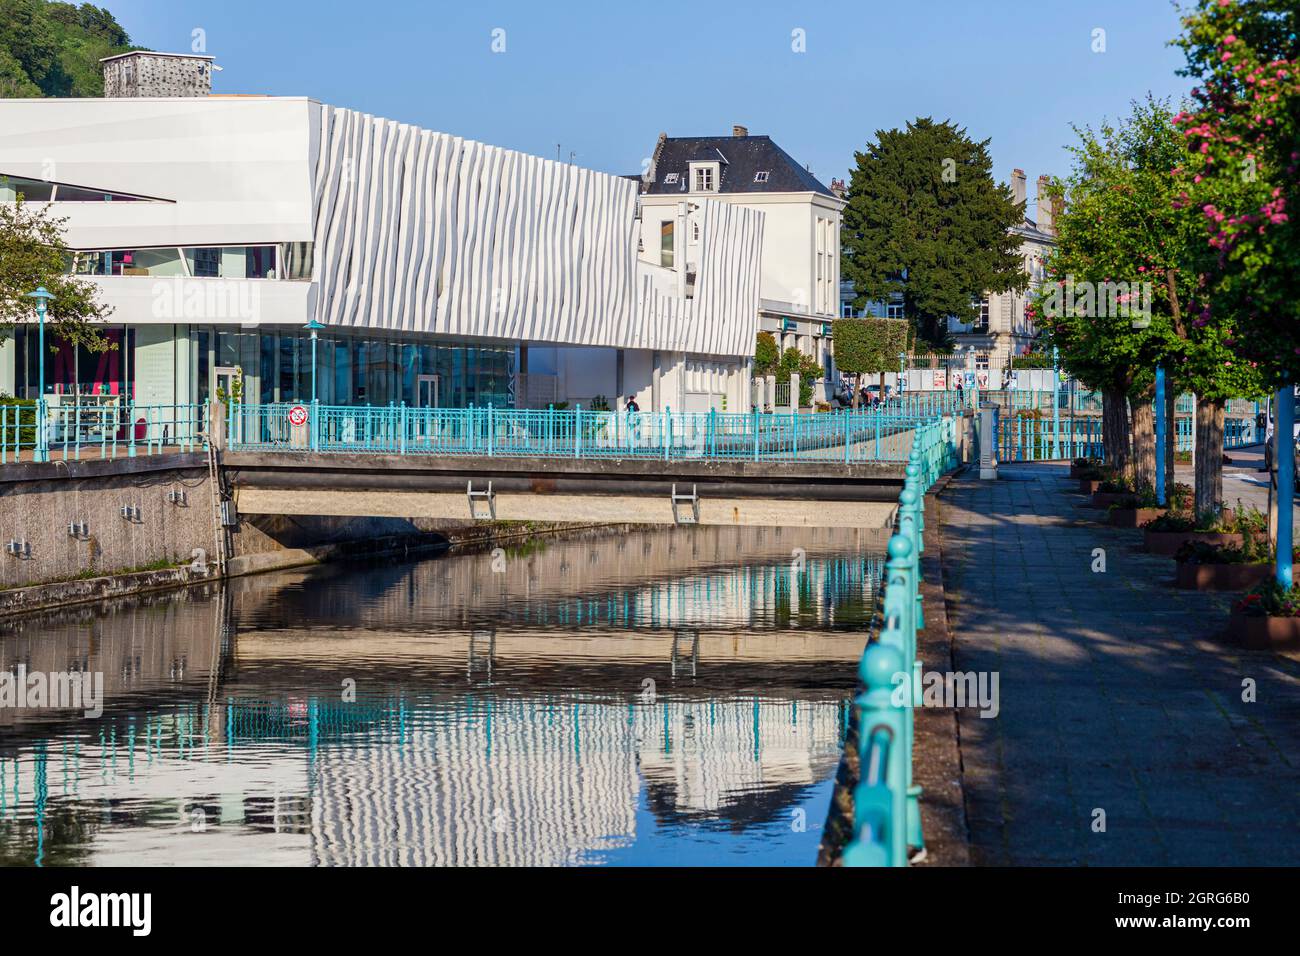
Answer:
x=644 y=491
x=827 y=470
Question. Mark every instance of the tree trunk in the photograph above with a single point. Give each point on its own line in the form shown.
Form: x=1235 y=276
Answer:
x=1144 y=444
x=1115 y=432
x=1209 y=457
x=1171 y=438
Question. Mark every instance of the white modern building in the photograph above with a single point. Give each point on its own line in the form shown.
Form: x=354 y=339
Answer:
x=446 y=272
x=800 y=247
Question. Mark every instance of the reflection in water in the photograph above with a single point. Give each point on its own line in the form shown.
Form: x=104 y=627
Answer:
x=677 y=696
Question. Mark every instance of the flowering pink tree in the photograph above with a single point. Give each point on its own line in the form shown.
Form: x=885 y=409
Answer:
x=1242 y=130
x=1243 y=133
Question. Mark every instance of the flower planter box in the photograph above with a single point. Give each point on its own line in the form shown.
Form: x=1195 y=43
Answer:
x=1168 y=542
x=1220 y=577
x=1083 y=474
x=1104 y=499
x=1264 y=633
x=1089 y=486
x=1134 y=517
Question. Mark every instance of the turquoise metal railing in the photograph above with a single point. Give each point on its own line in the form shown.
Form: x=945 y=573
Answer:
x=71 y=430
x=17 y=431
x=931 y=403
x=880 y=435
x=886 y=802
x=1024 y=438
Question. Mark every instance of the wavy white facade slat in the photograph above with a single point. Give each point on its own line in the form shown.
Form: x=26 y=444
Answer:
x=421 y=231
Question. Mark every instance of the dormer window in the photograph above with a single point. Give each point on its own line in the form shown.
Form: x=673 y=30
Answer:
x=670 y=179
x=704 y=177
x=761 y=176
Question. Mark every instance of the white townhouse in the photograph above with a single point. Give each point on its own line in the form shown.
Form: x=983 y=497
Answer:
x=800 y=247
x=445 y=272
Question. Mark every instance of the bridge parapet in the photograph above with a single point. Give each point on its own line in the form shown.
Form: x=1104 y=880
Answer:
x=880 y=435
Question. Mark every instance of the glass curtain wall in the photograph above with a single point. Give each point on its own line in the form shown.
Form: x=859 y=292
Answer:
x=351 y=369
x=73 y=370
x=354 y=369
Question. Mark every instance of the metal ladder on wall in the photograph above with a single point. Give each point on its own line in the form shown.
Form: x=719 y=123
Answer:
x=218 y=499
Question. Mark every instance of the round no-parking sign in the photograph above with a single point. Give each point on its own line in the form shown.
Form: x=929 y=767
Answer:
x=298 y=415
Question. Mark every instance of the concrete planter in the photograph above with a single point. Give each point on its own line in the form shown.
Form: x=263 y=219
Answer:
x=1264 y=633
x=1168 y=542
x=1083 y=474
x=1089 y=486
x=1134 y=517
x=1220 y=577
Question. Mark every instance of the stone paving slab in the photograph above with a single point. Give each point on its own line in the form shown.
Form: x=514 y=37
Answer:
x=1117 y=693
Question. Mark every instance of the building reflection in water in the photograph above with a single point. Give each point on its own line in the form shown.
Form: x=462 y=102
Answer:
x=687 y=688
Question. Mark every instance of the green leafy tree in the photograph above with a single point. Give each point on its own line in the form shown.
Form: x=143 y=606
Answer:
x=868 y=346
x=925 y=218
x=809 y=369
x=1239 y=186
x=1123 y=240
x=766 y=354
x=54 y=49
x=1242 y=180
x=33 y=253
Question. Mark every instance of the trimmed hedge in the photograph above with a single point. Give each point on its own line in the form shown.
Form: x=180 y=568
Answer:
x=870 y=345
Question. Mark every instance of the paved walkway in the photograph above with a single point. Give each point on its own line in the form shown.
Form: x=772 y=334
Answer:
x=1115 y=694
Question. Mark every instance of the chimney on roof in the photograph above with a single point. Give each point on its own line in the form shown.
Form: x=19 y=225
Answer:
x=1046 y=219
x=739 y=131
x=1018 y=182
x=143 y=73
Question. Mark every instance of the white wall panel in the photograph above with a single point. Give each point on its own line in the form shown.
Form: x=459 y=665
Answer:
x=415 y=230
x=236 y=170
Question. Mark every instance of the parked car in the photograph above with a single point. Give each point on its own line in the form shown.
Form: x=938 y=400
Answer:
x=1264 y=422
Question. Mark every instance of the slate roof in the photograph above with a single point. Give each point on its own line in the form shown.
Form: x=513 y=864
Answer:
x=739 y=158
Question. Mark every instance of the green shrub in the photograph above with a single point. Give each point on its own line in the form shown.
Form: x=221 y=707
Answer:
x=1270 y=599
x=868 y=346
x=1253 y=551
x=23 y=415
x=766 y=355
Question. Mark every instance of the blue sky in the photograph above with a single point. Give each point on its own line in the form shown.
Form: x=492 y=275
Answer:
x=604 y=78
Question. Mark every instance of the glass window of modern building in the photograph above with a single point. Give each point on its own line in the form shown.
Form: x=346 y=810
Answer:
x=188 y=364
x=32 y=190
x=39 y=190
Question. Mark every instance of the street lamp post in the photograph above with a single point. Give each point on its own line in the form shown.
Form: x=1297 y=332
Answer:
x=42 y=296
x=313 y=326
x=1056 y=403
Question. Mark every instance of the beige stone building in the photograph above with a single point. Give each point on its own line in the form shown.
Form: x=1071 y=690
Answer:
x=1002 y=330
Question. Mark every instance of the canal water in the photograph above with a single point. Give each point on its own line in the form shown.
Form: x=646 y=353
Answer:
x=675 y=697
